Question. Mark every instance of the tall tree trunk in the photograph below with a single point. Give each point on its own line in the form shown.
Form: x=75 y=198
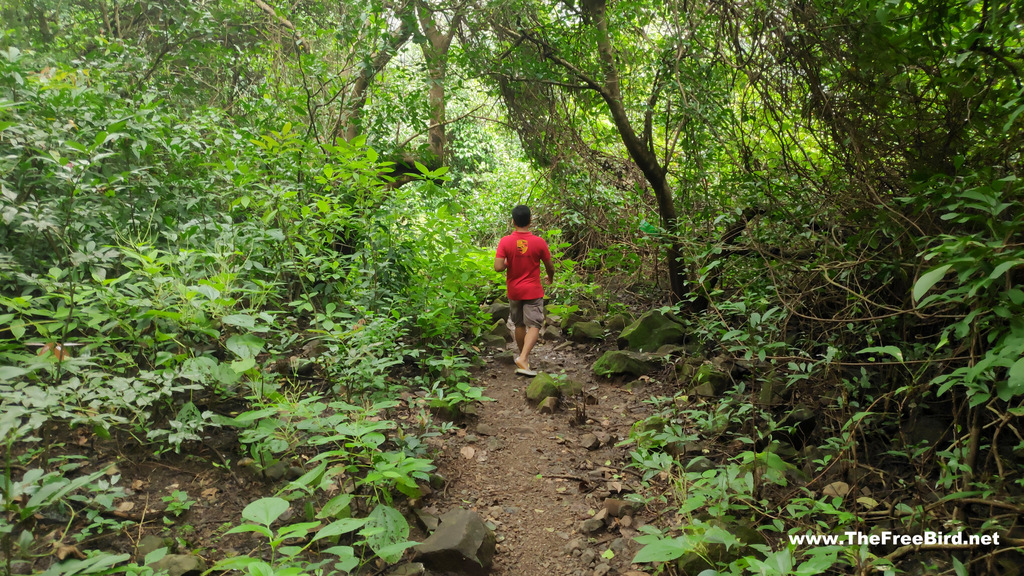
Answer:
x=435 y=54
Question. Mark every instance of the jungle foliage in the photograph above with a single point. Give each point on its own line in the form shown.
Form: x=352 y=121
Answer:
x=199 y=198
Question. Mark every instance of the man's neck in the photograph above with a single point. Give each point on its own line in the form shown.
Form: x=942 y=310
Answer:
x=524 y=229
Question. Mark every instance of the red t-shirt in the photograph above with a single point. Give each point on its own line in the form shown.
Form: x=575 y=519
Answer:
x=524 y=253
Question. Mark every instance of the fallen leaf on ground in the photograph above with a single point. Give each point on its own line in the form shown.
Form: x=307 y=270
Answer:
x=468 y=452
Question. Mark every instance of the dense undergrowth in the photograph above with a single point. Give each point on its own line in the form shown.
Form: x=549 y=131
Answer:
x=162 y=264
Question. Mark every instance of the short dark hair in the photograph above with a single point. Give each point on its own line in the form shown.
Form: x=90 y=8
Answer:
x=521 y=216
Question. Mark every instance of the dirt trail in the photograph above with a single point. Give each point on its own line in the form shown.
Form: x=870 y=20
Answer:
x=532 y=476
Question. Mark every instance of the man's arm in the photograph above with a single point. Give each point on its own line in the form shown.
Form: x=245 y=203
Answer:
x=550 y=268
x=500 y=264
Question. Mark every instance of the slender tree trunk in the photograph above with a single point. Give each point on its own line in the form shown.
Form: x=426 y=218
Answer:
x=348 y=125
x=435 y=54
x=640 y=151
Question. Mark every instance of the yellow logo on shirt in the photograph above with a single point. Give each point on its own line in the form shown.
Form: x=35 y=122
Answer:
x=521 y=246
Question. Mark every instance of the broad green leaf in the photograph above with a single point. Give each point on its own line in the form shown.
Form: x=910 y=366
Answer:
x=339 y=527
x=245 y=345
x=155 y=556
x=662 y=551
x=11 y=372
x=242 y=528
x=240 y=366
x=240 y=320
x=959 y=567
x=1004 y=267
x=347 y=560
x=385 y=528
x=929 y=279
x=890 y=350
x=18 y=328
x=265 y=510
x=337 y=507
x=1014 y=384
x=235 y=563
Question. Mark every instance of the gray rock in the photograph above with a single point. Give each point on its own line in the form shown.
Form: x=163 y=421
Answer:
x=427 y=520
x=709 y=381
x=588 y=556
x=549 y=405
x=583 y=332
x=590 y=442
x=485 y=429
x=148 y=545
x=618 y=322
x=180 y=564
x=602 y=569
x=492 y=341
x=410 y=569
x=618 y=362
x=462 y=543
x=552 y=334
x=591 y=525
x=500 y=329
x=573 y=318
x=618 y=508
x=568 y=387
x=498 y=311
x=651 y=331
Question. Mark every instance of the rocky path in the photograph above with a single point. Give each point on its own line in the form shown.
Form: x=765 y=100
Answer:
x=552 y=485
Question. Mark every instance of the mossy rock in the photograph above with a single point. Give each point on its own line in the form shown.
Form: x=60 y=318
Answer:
x=586 y=331
x=709 y=381
x=492 y=341
x=652 y=331
x=568 y=387
x=542 y=386
x=686 y=369
x=617 y=362
x=500 y=328
x=572 y=318
x=618 y=322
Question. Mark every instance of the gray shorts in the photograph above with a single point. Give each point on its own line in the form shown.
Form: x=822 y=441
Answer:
x=529 y=313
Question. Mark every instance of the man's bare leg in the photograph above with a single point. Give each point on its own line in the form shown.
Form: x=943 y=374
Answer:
x=529 y=341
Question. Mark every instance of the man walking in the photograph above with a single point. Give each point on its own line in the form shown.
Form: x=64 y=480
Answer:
x=520 y=254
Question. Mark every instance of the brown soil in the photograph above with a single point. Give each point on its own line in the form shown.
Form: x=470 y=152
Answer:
x=529 y=474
